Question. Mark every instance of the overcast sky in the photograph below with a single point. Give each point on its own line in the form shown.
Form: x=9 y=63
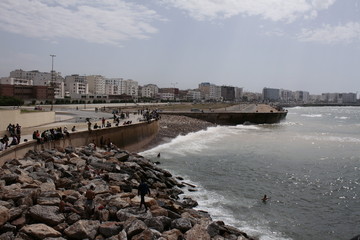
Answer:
x=310 y=45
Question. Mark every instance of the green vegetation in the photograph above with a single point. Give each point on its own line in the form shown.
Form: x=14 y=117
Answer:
x=10 y=101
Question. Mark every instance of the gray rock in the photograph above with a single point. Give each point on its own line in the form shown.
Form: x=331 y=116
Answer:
x=183 y=224
x=155 y=223
x=7 y=236
x=46 y=214
x=135 y=227
x=83 y=229
x=109 y=229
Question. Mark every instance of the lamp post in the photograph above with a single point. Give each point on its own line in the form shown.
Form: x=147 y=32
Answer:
x=52 y=84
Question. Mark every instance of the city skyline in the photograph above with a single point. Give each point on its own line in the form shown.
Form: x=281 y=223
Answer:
x=308 y=45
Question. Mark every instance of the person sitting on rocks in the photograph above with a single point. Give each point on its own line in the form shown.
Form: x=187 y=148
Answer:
x=65 y=207
x=143 y=189
x=73 y=129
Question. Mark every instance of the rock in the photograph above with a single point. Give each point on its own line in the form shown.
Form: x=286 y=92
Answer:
x=134 y=227
x=145 y=235
x=10 y=178
x=4 y=215
x=40 y=231
x=198 y=232
x=124 y=214
x=159 y=211
x=154 y=223
x=7 y=236
x=183 y=224
x=46 y=214
x=173 y=234
x=109 y=229
x=118 y=202
x=83 y=229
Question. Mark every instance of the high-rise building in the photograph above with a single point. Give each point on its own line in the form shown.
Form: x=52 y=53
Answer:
x=149 y=91
x=271 y=94
x=76 y=85
x=96 y=84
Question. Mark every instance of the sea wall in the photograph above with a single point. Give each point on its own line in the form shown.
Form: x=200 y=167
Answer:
x=128 y=137
x=28 y=119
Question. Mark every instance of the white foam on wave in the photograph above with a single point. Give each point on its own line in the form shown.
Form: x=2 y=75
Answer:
x=342 y=118
x=312 y=115
x=198 y=141
x=331 y=139
x=214 y=203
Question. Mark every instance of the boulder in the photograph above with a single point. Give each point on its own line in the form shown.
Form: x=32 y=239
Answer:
x=145 y=235
x=4 y=215
x=46 y=214
x=198 y=232
x=83 y=229
x=40 y=231
x=155 y=223
x=173 y=234
x=109 y=229
x=183 y=224
x=134 y=227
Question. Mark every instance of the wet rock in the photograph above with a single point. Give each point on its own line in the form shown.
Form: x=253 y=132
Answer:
x=173 y=234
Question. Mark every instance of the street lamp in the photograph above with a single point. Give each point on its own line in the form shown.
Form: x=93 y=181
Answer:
x=52 y=84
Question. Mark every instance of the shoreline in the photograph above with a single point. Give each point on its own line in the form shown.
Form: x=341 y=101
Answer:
x=32 y=189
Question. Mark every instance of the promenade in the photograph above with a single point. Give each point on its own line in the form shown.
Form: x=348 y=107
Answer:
x=72 y=117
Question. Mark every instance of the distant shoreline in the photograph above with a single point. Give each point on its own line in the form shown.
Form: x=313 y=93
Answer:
x=319 y=105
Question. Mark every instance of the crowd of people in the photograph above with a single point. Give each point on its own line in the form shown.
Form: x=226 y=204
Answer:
x=14 y=132
x=50 y=134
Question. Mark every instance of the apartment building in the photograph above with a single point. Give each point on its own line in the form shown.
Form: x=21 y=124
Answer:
x=96 y=84
x=75 y=86
x=149 y=91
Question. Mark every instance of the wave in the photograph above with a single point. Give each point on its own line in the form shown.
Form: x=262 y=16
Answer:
x=342 y=118
x=332 y=139
x=214 y=204
x=312 y=115
x=199 y=141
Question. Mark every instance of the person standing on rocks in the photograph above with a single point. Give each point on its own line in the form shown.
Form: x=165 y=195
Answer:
x=143 y=189
x=90 y=195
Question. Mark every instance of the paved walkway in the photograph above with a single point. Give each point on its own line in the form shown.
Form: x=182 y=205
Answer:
x=75 y=118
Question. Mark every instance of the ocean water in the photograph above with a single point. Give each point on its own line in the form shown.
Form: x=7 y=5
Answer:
x=309 y=166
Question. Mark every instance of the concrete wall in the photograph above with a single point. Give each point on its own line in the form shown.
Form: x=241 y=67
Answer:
x=29 y=119
x=129 y=137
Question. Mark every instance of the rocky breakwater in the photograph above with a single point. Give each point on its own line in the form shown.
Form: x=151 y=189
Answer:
x=43 y=197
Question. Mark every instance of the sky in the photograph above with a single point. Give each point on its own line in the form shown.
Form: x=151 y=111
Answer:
x=308 y=45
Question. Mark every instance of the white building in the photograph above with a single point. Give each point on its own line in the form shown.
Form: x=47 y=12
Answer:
x=96 y=84
x=16 y=81
x=167 y=96
x=302 y=96
x=42 y=79
x=130 y=87
x=149 y=91
x=194 y=95
x=76 y=85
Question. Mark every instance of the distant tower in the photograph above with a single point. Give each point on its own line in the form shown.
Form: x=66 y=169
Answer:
x=52 y=70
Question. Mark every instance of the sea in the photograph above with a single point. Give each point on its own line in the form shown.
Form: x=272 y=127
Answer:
x=308 y=165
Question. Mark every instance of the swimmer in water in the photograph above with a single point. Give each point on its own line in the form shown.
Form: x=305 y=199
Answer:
x=265 y=198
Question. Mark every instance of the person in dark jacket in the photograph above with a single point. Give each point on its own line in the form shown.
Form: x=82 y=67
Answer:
x=143 y=189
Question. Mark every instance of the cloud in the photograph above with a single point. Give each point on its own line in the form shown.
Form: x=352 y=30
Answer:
x=275 y=10
x=346 y=33
x=105 y=21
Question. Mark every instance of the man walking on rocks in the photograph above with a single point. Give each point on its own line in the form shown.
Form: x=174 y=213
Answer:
x=143 y=189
